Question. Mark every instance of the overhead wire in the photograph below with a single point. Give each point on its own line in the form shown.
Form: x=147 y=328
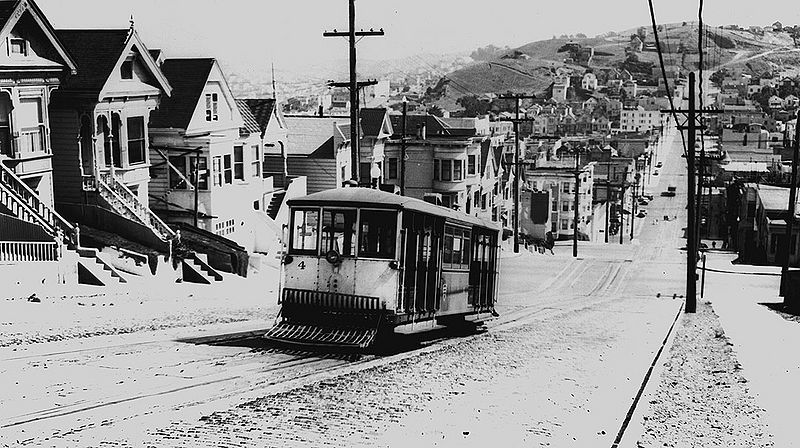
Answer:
x=701 y=169
x=664 y=72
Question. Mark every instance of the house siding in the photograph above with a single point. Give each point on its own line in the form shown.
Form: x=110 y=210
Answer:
x=321 y=173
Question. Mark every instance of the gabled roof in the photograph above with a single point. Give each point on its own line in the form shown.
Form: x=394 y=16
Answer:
x=372 y=121
x=188 y=78
x=261 y=109
x=98 y=52
x=250 y=124
x=312 y=136
x=10 y=13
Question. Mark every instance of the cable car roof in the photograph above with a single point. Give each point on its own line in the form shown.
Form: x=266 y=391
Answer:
x=361 y=197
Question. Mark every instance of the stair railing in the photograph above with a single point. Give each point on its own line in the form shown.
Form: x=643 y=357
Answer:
x=42 y=213
x=125 y=197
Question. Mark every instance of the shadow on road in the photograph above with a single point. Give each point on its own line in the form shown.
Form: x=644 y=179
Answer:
x=387 y=344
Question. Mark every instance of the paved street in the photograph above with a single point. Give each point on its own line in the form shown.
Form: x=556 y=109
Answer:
x=561 y=366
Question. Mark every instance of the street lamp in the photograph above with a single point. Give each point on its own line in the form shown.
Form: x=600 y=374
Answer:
x=375 y=174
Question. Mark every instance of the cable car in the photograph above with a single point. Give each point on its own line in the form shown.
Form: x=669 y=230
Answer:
x=360 y=262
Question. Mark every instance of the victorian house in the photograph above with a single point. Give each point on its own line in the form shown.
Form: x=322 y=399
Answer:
x=33 y=63
x=209 y=173
x=99 y=120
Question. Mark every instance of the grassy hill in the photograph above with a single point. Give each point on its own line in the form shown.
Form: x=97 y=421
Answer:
x=530 y=67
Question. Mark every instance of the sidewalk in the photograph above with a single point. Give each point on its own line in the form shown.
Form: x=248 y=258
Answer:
x=762 y=339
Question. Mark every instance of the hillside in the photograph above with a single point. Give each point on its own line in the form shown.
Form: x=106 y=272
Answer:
x=530 y=68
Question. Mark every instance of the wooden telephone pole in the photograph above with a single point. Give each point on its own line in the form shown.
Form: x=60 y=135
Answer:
x=516 y=121
x=692 y=244
x=353 y=84
x=790 y=218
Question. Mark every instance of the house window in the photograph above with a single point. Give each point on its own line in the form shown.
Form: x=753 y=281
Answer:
x=201 y=172
x=176 y=182
x=476 y=198
x=256 y=163
x=446 y=170
x=216 y=170
x=392 y=172
x=435 y=169
x=565 y=224
x=228 y=168
x=565 y=206
x=565 y=187
x=458 y=169
x=238 y=162
x=555 y=206
x=212 y=104
x=471 y=164
x=126 y=69
x=136 y=136
x=18 y=46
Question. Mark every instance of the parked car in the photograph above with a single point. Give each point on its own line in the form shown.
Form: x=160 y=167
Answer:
x=641 y=214
x=659 y=165
x=655 y=173
x=643 y=201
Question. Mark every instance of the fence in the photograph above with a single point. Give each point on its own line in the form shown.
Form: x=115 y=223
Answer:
x=17 y=251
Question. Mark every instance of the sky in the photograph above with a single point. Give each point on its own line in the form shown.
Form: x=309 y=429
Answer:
x=254 y=33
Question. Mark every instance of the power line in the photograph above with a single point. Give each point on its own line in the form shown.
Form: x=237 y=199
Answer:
x=664 y=71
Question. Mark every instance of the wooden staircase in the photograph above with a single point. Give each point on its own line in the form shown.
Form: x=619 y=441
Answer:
x=127 y=204
x=18 y=198
x=93 y=270
x=195 y=270
x=275 y=203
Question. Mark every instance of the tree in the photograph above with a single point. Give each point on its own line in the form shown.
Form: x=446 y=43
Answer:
x=718 y=76
x=473 y=106
x=580 y=36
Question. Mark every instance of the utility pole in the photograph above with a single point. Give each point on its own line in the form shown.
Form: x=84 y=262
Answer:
x=790 y=218
x=691 y=244
x=634 y=207
x=403 y=150
x=353 y=85
x=622 y=205
x=517 y=171
x=577 y=203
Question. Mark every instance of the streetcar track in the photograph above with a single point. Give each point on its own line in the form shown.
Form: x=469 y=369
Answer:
x=520 y=317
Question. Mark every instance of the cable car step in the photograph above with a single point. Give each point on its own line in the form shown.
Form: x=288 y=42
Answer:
x=303 y=334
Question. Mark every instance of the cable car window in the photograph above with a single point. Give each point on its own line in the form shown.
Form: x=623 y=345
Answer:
x=448 y=246
x=305 y=227
x=457 y=234
x=465 y=253
x=378 y=229
x=338 y=231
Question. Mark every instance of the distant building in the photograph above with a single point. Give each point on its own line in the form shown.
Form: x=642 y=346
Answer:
x=560 y=88
x=589 y=81
x=557 y=178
